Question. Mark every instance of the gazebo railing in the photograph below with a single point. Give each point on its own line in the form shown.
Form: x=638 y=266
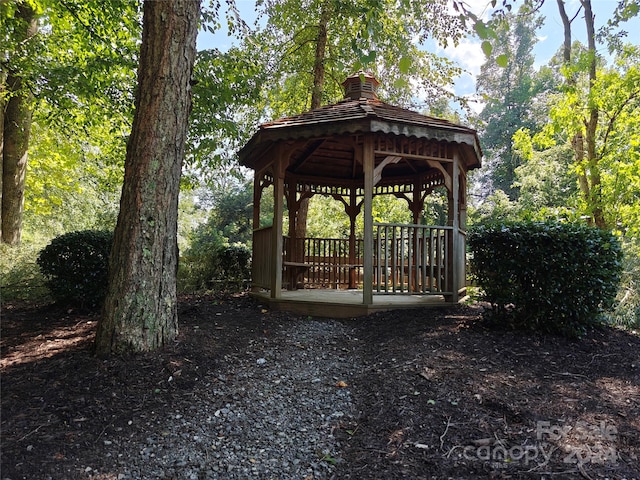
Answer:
x=324 y=262
x=411 y=259
x=408 y=259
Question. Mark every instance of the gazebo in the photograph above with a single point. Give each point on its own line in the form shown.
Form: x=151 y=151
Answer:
x=352 y=151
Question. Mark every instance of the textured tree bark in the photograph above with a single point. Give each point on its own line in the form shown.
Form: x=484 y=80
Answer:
x=16 y=129
x=589 y=178
x=316 y=102
x=591 y=125
x=140 y=310
x=3 y=106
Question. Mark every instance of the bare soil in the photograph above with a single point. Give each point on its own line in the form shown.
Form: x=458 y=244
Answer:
x=437 y=395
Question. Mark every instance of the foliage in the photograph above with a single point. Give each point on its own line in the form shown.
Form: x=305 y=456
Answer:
x=79 y=70
x=82 y=62
x=227 y=106
x=70 y=186
x=20 y=277
x=546 y=180
x=230 y=216
x=626 y=309
x=496 y=208
x=612 y=171
x=384 y=37
x=510 y=93
x=219 y=267
x=218 y=253
x=75 y=265
x=546 y=276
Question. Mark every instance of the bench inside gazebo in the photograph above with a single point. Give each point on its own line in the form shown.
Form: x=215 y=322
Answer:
x=352 y=151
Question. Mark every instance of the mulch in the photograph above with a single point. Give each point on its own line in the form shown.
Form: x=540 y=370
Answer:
x=439 y=395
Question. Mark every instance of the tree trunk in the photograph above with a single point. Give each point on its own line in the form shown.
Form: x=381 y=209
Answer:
x=318 y=64
x=140 y=310
x=3 y=105
x=16 y=128
x=316 y=102
x=591 y=125
x=589 y=178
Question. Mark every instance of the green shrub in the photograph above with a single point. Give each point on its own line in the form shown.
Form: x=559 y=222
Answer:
x=20 y=277
x=626 y=310
x=223 y=267
x=546 y=276
x=75 y=266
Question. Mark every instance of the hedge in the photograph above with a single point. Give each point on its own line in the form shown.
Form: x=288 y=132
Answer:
x=545 y=276
x=75 y=265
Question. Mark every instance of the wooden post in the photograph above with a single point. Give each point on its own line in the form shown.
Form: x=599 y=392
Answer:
x=454 y=221
x=417 y=204
x=292 y=244
x=352 y=210
x=279 y=167
x=257 y=196
x=368 y=163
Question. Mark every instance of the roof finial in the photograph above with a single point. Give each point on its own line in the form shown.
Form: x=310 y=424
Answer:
x=360 y=85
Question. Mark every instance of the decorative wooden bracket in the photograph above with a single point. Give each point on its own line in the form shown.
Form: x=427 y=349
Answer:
x=377 y=171
x=445 y=174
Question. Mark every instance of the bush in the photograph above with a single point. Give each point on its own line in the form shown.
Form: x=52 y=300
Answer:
x=20 y=277
x=626 y=310
x=546 y=276
x=75 y=266
x=226 y=267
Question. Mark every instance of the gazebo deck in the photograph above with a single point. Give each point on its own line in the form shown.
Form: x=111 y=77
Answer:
x=345 y=303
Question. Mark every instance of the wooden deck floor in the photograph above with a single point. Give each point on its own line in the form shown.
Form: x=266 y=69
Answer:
x=344 y=303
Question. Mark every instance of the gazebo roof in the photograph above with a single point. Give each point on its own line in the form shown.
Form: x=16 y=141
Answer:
x=322 y=137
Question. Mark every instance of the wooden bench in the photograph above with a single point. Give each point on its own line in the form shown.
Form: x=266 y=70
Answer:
x=294 y=270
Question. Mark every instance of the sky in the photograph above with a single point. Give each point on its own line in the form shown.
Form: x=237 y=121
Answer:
x=468 y=53
x=550 y=37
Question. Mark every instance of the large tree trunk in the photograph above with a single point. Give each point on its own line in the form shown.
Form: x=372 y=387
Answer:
x=16 y=129
x=584 y=143
x=316 y=102
x=140 y=311
x=591 y=125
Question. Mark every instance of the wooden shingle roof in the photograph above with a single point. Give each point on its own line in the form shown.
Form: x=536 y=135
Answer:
x=365 y=115
x=321 y=142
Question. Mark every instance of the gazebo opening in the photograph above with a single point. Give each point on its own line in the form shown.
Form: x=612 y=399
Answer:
x=353 y=152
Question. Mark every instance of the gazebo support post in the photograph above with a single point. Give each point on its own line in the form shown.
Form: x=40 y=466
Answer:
x=368 y=163
x=417 y=205
x=279 y=166
x=292 y=244
x=454 y=221
x=257 y=197
x=352 y=211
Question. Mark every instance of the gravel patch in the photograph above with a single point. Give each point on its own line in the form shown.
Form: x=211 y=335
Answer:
x=270 y=412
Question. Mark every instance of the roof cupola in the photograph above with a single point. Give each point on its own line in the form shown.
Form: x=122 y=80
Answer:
x=360 y=85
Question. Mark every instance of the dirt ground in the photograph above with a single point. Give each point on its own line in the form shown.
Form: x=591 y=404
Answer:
x=440 y=395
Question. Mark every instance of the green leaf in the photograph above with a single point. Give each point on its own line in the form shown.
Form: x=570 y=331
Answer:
x=482 y=30
x=502 y=60
x=487 y=48
x=405 y=64
x=369 y=58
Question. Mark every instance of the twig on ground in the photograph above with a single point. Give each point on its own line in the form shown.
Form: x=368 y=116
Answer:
x=32 y=432
x=444 y=433
x=569 y=374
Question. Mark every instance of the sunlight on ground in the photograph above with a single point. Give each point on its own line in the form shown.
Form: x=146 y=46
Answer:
x=48 y=344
